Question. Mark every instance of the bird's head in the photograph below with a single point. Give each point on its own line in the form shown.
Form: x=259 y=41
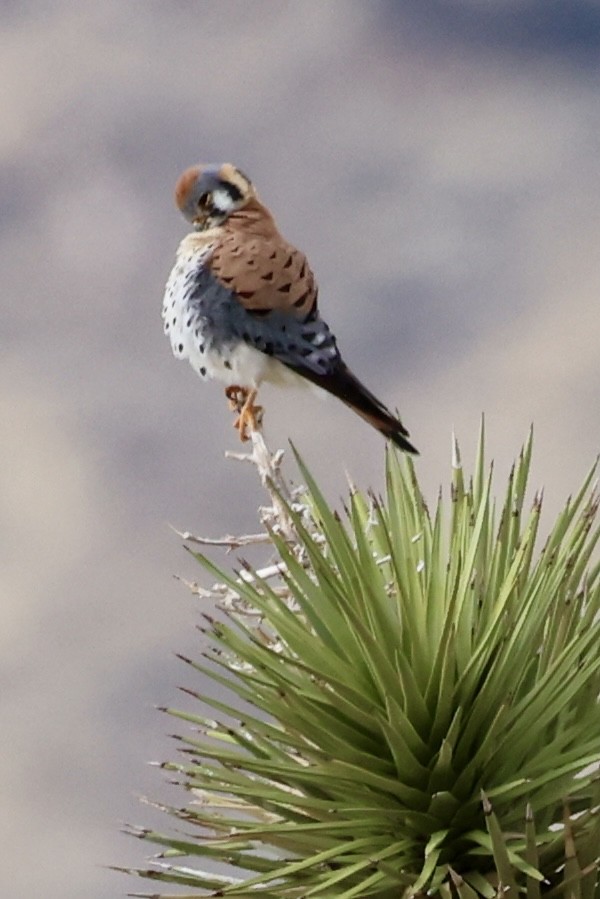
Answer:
x=208 y=194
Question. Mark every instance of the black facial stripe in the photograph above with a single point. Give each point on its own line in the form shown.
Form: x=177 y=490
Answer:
x=233 y=191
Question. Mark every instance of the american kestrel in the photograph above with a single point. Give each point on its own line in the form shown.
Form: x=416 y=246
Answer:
x=241 y=303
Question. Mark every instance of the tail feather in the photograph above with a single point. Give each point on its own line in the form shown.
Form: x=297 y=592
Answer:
x=346 y=387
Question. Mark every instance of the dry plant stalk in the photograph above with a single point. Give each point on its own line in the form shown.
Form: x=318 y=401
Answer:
x=275 y=519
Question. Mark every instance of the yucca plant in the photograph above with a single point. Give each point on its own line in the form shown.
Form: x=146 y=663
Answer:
x=413 y=703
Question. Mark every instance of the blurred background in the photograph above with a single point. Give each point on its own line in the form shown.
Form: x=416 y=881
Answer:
x=438 y=161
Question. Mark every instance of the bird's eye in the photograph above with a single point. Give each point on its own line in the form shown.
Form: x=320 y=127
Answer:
x=203 y=201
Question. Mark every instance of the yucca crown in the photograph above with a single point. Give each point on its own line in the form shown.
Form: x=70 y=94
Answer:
x=423 y=694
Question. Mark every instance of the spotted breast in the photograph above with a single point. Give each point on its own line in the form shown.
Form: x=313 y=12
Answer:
x=198 y=319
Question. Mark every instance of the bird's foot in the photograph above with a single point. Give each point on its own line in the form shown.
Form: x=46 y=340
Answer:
x=236 y=396
x=249 y=418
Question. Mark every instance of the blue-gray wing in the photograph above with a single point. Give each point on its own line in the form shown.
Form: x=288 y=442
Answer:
x=304 y=344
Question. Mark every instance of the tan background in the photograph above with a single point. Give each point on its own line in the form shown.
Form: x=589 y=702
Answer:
x=438 y=162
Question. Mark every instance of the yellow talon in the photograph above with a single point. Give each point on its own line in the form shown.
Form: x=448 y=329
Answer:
x=237 y=397
x=250 y=416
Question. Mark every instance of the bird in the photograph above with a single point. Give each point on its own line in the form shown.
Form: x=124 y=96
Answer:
x=241 y=304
